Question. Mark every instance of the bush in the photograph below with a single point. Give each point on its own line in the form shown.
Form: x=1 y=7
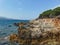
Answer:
x=50 y=13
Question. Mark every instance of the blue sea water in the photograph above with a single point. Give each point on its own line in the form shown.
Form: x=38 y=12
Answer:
x=7 y=28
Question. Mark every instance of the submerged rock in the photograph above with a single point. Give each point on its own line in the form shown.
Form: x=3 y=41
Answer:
x=16 y=24
x=10 y=26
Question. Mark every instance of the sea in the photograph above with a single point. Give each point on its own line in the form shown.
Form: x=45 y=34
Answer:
x=7 y=28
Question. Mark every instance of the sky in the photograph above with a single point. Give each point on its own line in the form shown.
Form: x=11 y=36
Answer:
x=25 y=9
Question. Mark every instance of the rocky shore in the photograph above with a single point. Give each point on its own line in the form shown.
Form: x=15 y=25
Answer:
x=45 y=31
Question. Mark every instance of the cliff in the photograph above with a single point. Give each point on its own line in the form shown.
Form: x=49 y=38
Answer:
x=44 y=31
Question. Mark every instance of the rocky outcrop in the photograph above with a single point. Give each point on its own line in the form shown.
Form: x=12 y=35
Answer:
x=41 y=26
x=44 y=31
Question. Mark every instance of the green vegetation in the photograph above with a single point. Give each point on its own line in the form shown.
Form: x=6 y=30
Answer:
x=50 y=13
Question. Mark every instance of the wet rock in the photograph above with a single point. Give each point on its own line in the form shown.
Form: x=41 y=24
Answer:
x=10 y=26
x=16 y=24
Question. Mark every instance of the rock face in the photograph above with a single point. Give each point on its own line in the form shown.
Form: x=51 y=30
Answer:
x=41 y=26
x=44 y=31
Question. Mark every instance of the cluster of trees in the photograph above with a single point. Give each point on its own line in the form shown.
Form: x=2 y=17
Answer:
x=50 y=13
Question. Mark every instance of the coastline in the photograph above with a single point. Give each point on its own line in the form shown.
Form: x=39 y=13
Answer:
x=38 y=32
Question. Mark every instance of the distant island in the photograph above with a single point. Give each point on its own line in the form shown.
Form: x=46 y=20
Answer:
x=4 y=18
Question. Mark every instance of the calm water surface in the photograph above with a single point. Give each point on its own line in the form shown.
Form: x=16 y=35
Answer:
x=7 y=28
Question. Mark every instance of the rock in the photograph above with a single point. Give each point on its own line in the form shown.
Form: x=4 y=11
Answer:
x=16 y=24
x=40 y=30
x=13 y=38
x=9 y=25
